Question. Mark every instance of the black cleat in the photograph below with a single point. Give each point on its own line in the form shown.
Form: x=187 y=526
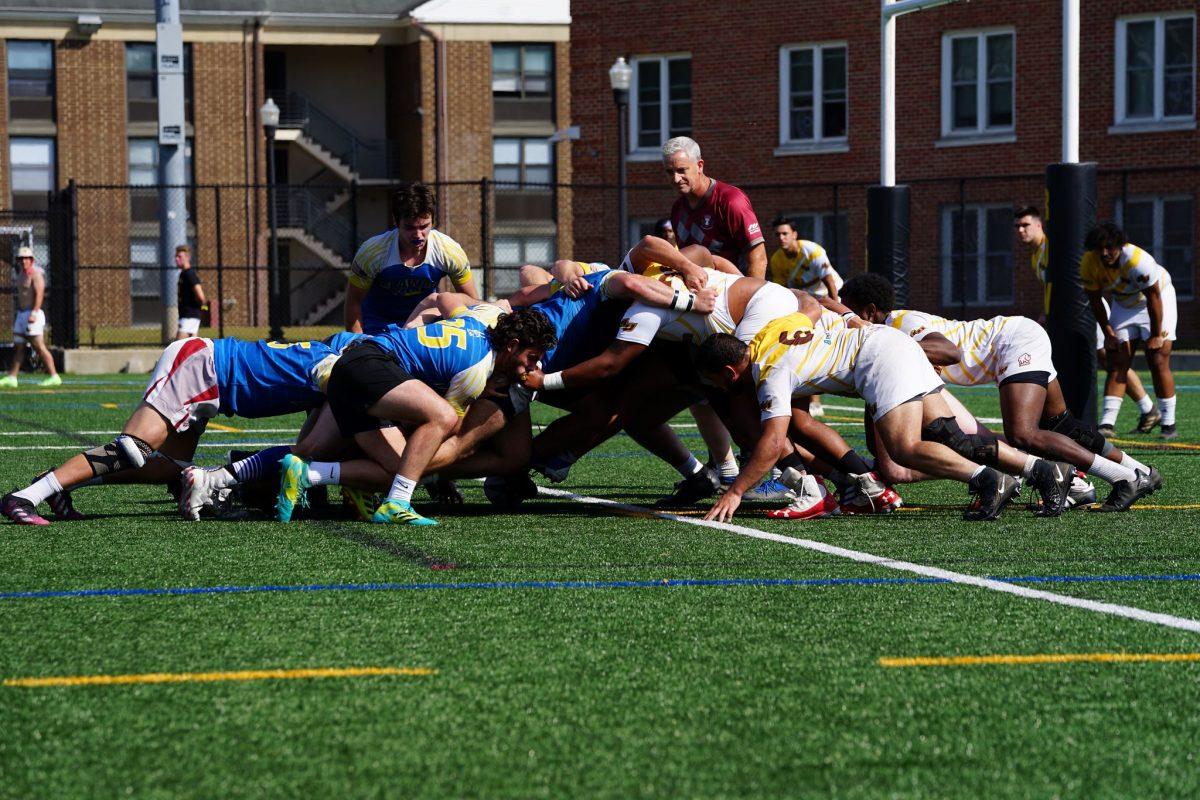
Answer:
x=1053 y=482
x=1106 y=431
x=688 y=491
x=60 y=503
x=1168 y=432
x=993 y=490
x=1155 y=479
x=1125 y=493
x=509 y=491
x=1147 y=421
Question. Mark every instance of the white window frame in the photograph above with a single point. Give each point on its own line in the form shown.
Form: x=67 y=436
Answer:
x=822 y=236
x=1122 y=60
x=817 y=142
x=982 y=131
x=664 y=107
x=1159 y=234
x=946 y=247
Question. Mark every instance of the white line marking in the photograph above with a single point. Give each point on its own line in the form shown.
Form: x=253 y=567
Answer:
x=1129 y=612
x=984 y=420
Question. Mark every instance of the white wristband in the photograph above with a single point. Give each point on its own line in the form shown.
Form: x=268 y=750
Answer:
x=848 y=315
x=553 y=381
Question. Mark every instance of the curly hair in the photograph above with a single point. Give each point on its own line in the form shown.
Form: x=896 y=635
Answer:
x=529 y=326
x=1106 y=234
x=412 y=201
x=869 y=287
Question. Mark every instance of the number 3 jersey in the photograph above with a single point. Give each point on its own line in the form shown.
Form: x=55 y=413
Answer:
x=789 y=357
x=453 y=357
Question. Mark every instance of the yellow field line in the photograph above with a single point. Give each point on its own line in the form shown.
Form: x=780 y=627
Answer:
x=198 y=677
x=216 y=426
x=1049 y=658
x=1151 y=445
x=109 y=405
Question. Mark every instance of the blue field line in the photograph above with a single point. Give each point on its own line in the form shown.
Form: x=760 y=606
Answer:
x=643 y=584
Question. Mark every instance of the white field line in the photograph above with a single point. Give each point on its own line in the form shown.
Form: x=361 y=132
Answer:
x=1129 y=612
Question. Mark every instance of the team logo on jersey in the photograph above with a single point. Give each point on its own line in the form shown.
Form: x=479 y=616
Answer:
x=628 y=325
x=706 y=221
x=797 y=338
x=765 y=405
x=917 y=332
x=1023 y=360
x=753 y=228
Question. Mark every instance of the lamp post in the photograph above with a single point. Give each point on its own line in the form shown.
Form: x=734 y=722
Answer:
x=269 y=115
x=620 y=75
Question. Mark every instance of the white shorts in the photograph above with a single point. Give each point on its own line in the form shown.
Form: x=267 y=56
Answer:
x=1133 y=324
x=189 y=325
x=1099 y=330
x=29 y=323
x=768 y=304
x=891 y=370
x=183 y=387
x=1022 y=346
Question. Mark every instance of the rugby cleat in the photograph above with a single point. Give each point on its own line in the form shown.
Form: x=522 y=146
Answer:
x=293 y=487
x=769 y=491
x=1052 y=479
x=197 y=487
x=362 y=503
x=1155 y=478
x=398 y=512
x=869 y=495
x=1168 y=432
x=60 y=503
x=1147 y=421
x=443 y=490
x=1125 y=493
x=553 y=468
x=993 y=490
x=508 y=492
x=1082 y=492
x=812 y=501
x=8 y=382
x=692 y=489
x=53 y=380
x=21 y=511
x=1107 y=431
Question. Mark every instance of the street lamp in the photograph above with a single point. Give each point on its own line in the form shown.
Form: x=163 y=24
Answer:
x=269 y=115
x=620 y=75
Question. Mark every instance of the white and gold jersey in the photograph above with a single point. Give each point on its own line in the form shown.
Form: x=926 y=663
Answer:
x=1135 y=271
x=643 y=324
x=806 y=270
x=1039 y=261
x=790 y=357
x=976 y=339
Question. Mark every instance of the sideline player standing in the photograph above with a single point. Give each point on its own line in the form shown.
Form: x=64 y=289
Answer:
x=30 y=321
x=1031 y=233
x=191 y=295
x=801 y=264
x=1143 y=309
x=394 y=271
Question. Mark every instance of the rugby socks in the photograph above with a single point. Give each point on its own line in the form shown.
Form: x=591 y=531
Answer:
x=1110 y=471
x=1129 y=462
x=40 y=489
x=262 y=466
x=1145 y=405
x=1112 y=406
x=853 y=464
x=1030 y=463
x=402 y=489
x=728 y=468
x=1166 y=407
x=321 y=473
x=690 y=467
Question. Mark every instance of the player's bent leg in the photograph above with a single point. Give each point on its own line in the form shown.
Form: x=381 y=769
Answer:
x=1164 y=386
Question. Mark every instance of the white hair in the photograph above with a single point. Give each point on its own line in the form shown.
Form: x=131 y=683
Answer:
x=681 y=144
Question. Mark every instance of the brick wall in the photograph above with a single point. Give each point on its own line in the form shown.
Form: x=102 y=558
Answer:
x=409 y=108
x=562 y=151
x=468 y=139
x=735 y=116
x=3 y=125
x=90 y=84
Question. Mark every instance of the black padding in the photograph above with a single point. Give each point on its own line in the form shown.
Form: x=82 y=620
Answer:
x=982 y=447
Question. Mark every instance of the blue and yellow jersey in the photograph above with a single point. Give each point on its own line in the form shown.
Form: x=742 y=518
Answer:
x=578 y=338
x=453 y=357
x=1135 y=271
x=267 y=379
x=393 y=289
x=486 y=313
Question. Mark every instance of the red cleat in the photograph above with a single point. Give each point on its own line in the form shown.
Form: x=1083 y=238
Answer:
x=813 y=501
x=870 y=496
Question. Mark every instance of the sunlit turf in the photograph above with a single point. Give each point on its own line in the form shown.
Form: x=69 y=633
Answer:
x=695 y=690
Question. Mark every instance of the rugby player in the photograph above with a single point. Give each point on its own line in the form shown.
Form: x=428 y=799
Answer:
x=1031 y=232
x=1013 y=352
x=194 y=380
x=1143 y=310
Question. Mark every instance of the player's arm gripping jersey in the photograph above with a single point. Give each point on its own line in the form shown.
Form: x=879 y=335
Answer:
x=643 y=323
x=975 y=339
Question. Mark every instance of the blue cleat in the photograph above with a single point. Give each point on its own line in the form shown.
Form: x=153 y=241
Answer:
x=293 y=487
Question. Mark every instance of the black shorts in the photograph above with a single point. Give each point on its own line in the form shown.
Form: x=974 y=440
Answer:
x=363 y=374
x=1040 y=377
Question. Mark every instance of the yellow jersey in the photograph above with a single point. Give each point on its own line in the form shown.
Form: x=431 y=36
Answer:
x=806 y=270
x=1040 y=262
x=789 y=357
x=644 y=323
x=976 y=340
x=1135 y=271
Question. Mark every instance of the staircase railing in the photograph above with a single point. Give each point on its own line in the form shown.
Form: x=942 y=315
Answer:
x=304 y=207
x=371 y=158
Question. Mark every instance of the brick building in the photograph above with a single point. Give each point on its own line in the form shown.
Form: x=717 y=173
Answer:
x=784 y=101
x=371 y=92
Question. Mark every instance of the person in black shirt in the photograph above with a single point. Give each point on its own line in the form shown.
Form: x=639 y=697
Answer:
x=191 y=294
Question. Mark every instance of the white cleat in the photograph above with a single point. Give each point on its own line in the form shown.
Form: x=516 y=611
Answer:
x=199 y=486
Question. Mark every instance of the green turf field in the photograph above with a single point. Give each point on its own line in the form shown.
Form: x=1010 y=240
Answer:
x=575 y=650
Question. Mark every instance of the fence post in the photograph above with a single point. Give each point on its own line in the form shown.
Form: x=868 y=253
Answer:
x=484 y=214
x=73 y=264
x=220 y=268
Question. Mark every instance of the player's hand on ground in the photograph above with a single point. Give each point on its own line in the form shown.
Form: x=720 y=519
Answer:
x=706 y=301
x=722 y=510
x=533 y=380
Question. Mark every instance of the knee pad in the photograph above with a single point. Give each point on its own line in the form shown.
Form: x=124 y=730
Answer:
x=982 y=447
x=124 y=452
x=1068 y=426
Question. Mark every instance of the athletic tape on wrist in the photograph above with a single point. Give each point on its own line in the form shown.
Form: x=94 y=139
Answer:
x=553 y=381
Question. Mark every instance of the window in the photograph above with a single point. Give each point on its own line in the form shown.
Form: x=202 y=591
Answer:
x=977 y=255
x=511 y=251
x=831 y=233
x=141 y=82
x=522 y=161
x=30 y=81
x=977 y=83
x=1156 y=68
x=660 y=105
x=522 y=70
x=812 y=93
x=1164 y=227
x=31 y=162
x=144 y=268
